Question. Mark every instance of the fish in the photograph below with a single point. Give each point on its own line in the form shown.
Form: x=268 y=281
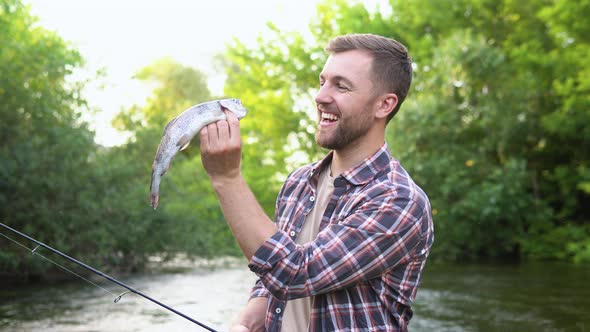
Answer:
x=179 y=132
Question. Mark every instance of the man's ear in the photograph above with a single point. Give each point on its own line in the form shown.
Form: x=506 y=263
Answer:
x=387 y=104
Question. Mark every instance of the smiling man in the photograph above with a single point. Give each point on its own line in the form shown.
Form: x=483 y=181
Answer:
x=351 y=232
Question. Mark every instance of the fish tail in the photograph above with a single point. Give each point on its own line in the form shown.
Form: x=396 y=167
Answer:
x=154 y=199
x=154 y=190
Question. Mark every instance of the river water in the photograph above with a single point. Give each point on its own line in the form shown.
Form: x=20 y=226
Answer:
x=455 y=298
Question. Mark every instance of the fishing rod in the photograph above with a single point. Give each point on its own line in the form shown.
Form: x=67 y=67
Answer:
x=129 y=289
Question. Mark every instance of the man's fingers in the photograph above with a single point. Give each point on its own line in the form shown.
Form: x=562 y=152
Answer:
x=219 y=155
x=221 y=135
x=204 y=138
x=239 y=328
x=223 y=131
x=213 y=136
x=234 y=128
x=231 y=116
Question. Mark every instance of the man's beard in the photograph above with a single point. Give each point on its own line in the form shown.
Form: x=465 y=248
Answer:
x=347 y=130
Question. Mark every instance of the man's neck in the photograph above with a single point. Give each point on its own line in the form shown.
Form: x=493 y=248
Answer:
x=354 y=153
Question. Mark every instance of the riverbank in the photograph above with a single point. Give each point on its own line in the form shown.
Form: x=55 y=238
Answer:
x=209 y=292
x=548 y=297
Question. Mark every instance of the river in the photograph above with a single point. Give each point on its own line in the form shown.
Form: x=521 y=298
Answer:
x=456 y=298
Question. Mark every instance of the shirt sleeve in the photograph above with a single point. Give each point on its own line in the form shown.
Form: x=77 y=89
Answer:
x=381 y=234
x=258 y=290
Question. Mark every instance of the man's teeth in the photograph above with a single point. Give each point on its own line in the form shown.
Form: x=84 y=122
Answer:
x=329 y=116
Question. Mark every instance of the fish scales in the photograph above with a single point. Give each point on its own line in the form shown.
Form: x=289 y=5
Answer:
x=179 y=131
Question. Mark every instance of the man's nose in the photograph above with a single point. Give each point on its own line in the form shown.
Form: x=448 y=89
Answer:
x=323 y=96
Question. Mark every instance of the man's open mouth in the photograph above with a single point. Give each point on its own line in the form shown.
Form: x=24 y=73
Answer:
x=328 y=117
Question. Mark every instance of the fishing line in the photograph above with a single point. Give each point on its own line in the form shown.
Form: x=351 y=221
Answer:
x=34 y=252
x=118 y=297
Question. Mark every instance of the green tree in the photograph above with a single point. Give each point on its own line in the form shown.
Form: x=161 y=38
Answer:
x=496 y=76
x=45 y=149
x=188 y=219
x=57 y=185
x=495 y=128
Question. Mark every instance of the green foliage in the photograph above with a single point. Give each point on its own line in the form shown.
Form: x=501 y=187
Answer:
x=45 y=150
x=58 y=186
x=496 y=126
x=507 y=96
x=495 y=129
x=188 y=219
x=461 y=134
x=569 y=242
x=276 y=128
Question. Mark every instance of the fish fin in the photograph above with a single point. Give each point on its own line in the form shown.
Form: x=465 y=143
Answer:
x=169 y=124
x=183 y=142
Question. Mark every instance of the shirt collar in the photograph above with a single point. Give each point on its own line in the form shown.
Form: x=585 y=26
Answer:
x=362 y=173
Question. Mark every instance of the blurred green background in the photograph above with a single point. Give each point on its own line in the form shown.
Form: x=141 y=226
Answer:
x=496 y=130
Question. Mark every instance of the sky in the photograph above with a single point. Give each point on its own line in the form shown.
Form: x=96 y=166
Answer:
x=123 y=36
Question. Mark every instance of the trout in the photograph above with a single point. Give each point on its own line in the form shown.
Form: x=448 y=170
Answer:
x=179 y=132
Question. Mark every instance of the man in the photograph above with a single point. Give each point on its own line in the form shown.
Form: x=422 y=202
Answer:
x=352 y=232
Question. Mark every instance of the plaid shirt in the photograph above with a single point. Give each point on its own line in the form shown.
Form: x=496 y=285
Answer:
x=363 y=269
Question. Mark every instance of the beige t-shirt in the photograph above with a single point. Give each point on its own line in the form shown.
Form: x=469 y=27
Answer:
x=297 y=312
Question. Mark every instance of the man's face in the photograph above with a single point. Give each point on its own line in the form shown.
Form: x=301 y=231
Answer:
x=345 y=100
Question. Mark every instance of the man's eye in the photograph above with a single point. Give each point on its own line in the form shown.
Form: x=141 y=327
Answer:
x=322 y=84
x=342 y=87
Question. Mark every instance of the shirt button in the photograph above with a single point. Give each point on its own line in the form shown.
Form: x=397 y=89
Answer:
x=292 y=233
x=312 y=198
x=278 y=310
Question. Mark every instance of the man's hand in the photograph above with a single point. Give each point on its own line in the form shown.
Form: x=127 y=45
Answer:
x=239 y=328
x=221 y=149
x=252 y=317
x=221 y=154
